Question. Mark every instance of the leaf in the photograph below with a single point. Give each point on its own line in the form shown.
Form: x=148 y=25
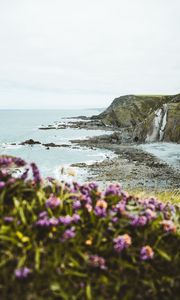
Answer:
x=37 y=258
x=88 y=292
x=164 y=254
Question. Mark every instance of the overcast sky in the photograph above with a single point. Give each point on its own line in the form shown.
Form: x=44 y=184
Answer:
x=72 y=53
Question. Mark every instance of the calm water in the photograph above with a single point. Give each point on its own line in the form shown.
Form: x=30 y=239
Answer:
x=19 y=125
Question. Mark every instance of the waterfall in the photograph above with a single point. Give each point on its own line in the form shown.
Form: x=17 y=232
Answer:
x=159 y=125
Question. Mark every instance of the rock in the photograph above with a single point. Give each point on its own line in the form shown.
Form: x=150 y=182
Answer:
x=144 y=118
x=30 y=142
x=48 y=145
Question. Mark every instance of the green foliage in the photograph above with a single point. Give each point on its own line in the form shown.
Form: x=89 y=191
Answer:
x=84 y=263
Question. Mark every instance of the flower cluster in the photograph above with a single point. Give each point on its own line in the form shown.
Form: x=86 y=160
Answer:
x=57 y=236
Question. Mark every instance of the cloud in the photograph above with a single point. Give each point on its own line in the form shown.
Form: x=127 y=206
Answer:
x=86 y=51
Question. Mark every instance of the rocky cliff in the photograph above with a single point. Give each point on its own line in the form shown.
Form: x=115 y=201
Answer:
x=145 y=118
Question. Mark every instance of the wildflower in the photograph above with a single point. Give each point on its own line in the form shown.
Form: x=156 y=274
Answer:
x=53 y=221
x=120 y=207
x=76 y=218
x=53 y=202
x=88 y=242
x=5 y=161
x=43 y=214
x=2 y=184
x=44 y=222
x=8 y=219
x=68 y=234
x=146 y=253
x=76 y=205
x=113 y=189
x=25 y=174
x=66 y=220
x=101 y=204
x=19 y=162
x=36 y=173
x=22 y=273
x=138 y=220
x=100 y=211
x=88 y=207
x=97 y=262
x=93 y=185
x=168 y=226
x=150 y=214
x=122 y=242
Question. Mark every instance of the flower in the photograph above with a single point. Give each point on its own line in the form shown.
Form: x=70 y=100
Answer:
x=68 y=234
x=146 y=253
x=44 y=222
x=25 y=174
x=76 y=205
x=97 y=262
x=53 y=221
x=150 y=214
x=113 y=189
x=36 y=173
x=53 y=202
x=22 y=273
x=43 y=214
x=66 y=220
x=138 y=220
x=8 y=219
x=76 y=218
x=101 y=204
x=168 y=226
x=100 y=211
x=122 y=242
x=2 y=184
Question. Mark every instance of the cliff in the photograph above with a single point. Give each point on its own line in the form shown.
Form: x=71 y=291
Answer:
x=145 y=118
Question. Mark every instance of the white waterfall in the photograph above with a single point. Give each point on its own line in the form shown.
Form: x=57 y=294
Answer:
x=159 y=125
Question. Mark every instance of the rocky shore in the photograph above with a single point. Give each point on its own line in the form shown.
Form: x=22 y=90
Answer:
x=131 y=166
x=133 y=119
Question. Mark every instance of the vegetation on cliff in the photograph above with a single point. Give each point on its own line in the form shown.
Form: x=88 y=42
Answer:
x=146 y=118
x=72 y=241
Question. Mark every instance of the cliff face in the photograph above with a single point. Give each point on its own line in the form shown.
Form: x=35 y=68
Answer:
x=146 y=118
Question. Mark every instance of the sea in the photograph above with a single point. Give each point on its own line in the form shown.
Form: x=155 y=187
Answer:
x=16 y=126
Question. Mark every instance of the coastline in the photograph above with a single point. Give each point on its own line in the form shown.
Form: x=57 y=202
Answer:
x=132 y=167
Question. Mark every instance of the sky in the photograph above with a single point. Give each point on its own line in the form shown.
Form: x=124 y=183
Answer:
x=84 y=53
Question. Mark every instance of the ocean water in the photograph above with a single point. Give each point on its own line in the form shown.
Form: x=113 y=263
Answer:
x=17 y=126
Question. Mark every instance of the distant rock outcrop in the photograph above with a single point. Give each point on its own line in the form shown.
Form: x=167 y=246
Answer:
x=145 y=118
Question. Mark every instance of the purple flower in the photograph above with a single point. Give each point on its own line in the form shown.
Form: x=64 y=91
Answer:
x=8 y=219
x=43 y=222
x=66 y=220
x=22 y=273
x=19 y=162
x=138 y=220
x=113 y=189
x=53 y=202
x=100 y=211
x=2 y=184
x=93 y=185
x=146 y=253
x=43 y=214
x=150 y=214
x=76 y=205
x=76 y=218
x=68 y=234
x=53 y=221
x=5 y=161
x=122 y=242
x=36 y=173
x=25 y=174
x=97 y=262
